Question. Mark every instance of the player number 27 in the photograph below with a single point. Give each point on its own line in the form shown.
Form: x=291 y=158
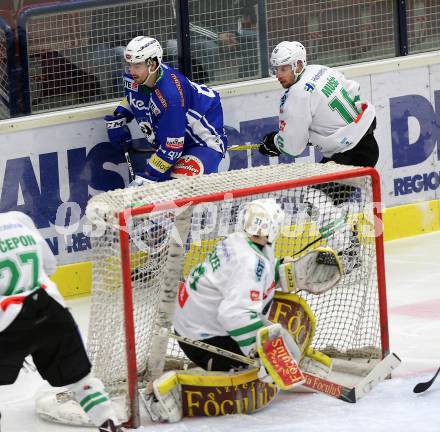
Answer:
x=13 y=269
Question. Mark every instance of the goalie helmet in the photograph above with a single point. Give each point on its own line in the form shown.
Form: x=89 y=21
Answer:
x=142 y=49
x=288 y=53
x=263 y=217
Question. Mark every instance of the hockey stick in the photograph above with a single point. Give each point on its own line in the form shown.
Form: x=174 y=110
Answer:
x=325 y=232
x=237 y=147
x=216 y=350
x=352 y=394
x=128 y=160
x=347 y=394
x=423 y=386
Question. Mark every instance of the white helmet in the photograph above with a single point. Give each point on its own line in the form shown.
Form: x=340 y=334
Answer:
x=288 y=53
x=263 y=217
x=141 y=49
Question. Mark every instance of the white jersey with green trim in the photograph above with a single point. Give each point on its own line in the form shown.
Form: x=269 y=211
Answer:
x=26 y=262
x=226 y=294
x=323 y=108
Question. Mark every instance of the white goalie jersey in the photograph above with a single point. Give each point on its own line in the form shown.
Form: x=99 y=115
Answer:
x=26 y=262
x=323 y=108
x=226 y=294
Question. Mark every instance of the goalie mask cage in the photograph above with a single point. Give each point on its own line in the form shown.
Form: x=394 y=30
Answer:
x=145 y=241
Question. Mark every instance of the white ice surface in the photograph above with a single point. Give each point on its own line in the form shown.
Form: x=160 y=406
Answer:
x=413 y=290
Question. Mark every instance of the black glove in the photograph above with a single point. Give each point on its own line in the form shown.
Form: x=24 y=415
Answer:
x=267 y=145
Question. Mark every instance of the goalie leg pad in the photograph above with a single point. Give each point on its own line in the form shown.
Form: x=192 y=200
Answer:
x=206 y=393
x=296 y=316
x=164 y=404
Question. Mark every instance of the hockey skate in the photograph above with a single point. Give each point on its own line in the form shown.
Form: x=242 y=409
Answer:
x=109 y=426
x=351 y=257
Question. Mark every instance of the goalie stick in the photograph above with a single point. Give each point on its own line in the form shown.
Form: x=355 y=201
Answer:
x=347 y=394
x=423 y=386
x=352 y=394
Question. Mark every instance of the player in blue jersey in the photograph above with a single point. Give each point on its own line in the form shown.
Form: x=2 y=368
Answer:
x=181 y=119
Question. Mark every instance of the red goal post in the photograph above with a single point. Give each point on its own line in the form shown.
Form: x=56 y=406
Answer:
x=145 y=241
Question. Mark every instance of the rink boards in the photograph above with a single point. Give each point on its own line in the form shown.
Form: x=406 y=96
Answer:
x=54 y=162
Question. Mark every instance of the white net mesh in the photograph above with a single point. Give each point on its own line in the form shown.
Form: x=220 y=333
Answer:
x=165 y=243
x=4 y=78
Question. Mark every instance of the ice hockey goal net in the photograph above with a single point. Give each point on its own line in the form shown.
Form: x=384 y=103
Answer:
x=145 y=240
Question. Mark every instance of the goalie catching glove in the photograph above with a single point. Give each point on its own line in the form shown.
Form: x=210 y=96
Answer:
x=316 y=272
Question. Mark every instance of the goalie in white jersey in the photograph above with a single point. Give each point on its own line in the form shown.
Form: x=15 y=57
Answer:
x=34 y=321
x=223 y=303
x=320 y=106
x=223 y=300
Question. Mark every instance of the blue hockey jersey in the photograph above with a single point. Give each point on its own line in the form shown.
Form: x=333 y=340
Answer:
x=175 y=114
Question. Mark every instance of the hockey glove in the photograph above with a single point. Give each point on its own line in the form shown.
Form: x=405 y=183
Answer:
x=279 y=356
x=117 y=129
x=267 y=145
x=315 y=272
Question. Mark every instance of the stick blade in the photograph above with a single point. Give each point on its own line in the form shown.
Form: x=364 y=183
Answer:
x=423 y=386
x=379 y=373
